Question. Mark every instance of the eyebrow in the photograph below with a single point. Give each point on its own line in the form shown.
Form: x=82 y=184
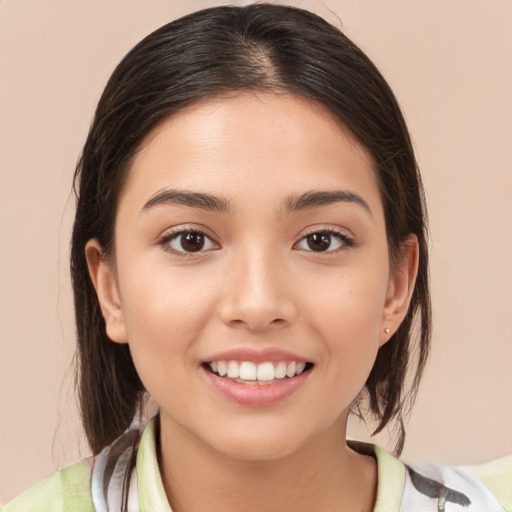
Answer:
x=311 y=199
x=185 y=198
x=314 y=199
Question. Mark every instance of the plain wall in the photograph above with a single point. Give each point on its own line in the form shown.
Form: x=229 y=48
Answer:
x=448 y=61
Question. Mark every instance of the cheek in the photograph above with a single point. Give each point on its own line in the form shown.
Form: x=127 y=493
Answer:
x=164 y=312
x=155 y=295
x=350 y=302
x=346 y=313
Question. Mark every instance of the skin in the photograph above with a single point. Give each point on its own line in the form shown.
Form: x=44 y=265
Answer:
x=256 y=284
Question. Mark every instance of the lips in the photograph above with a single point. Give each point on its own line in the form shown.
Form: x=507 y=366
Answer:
x=256 y=378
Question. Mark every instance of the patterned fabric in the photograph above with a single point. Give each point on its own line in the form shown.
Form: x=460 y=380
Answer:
x=446 y=489
x=98 y=484
x=113 y=481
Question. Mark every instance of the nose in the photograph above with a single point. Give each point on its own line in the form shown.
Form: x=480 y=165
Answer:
x=258 y=293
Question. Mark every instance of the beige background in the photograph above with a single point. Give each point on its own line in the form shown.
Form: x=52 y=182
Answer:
x=449 y=62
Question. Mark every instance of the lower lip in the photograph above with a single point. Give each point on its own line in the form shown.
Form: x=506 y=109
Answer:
x=256 y=395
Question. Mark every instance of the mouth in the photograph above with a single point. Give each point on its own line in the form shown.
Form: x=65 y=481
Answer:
x=262 y=374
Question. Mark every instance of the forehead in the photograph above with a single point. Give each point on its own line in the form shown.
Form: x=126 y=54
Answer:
x=246 y=143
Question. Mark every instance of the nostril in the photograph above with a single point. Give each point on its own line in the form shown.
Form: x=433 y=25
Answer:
x=257 y=324
x=257 y=314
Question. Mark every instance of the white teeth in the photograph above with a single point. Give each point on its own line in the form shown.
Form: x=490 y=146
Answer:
x=250 y=382
x=233 y=370
x=266 y=371
x=248 y=371
x=290 y=371
x=222 y=368
x=252 y=373
x=281 y=370
x=300 y=368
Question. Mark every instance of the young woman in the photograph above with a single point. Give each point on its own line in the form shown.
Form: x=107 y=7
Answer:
x=249 y=250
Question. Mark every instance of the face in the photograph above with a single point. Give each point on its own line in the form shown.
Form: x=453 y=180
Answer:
x=251 y=275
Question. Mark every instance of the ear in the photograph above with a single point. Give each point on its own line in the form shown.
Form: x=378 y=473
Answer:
x=400 y=288
x=104 y=281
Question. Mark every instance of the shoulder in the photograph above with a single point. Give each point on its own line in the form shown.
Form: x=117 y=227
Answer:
x=481 y=487
x=497 y=477
x=406 y=487
x=68 y=489
x=97 y=483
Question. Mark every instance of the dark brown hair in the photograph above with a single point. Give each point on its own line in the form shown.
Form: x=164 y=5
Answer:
x=259 y=47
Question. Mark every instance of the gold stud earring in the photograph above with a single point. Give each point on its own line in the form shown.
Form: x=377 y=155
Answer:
x=386 y=330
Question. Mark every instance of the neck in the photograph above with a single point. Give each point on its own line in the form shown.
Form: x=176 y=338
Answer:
x=322 y=475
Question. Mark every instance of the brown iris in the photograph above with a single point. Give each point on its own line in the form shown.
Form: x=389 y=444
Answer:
x=319 y=241
x=192 y=242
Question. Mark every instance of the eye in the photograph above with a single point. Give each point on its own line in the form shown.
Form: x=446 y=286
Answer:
x=188 y=242
x=324 y=241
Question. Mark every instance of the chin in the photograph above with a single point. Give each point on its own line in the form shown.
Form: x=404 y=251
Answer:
x=256 y=450
x=262 y=443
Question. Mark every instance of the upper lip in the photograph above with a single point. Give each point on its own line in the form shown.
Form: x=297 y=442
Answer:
x=256 y=355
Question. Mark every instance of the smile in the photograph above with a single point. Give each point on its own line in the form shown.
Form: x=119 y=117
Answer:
x=265 y=373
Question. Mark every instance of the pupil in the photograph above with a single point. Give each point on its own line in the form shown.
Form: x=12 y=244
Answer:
x=319 y=241
x=192 y=242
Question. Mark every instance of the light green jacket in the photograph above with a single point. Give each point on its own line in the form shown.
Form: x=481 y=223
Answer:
x=94 y=485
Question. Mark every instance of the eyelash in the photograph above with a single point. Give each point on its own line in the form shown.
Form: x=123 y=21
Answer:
x=167 y=239
x=345 y=241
